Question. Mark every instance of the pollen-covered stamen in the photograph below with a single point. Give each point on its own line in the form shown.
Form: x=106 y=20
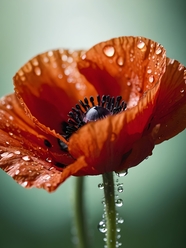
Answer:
x=88 y=111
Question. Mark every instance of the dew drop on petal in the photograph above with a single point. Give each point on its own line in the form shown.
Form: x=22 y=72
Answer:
x=151 y=79
x=64 y=57
x=24 y=184
x=109 y=51
x=50 y=53
x=158 y=51
x=17 y=172
x=60 y=76
x=17 y=152
x=182 y=91
x=140 y=44
x=102 y=227
x=26 y=158
x=49 y=160
x=149 y=71
x=37 y=71
x=120 y=61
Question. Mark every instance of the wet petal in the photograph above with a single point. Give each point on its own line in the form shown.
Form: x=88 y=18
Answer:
x=29 y=155
x=105 y=143
x=170 y=110
x=127 y=66
x=49 y=85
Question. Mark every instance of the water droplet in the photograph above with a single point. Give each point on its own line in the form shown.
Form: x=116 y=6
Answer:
x=151 y=79
x=50 y=53
x=60 y=76
x=149 y=71
x=128 y=83
x=64 y=57
x=102 y=227
x=67 y=72
x=17 y=152
x=180 y=67
x=49 y=160
x=141 y=44
x=120 y=220
x=24 y=184
x=122 y=173
x=8 y=106
x=35 y=62
x=46 y=59
x=120 y=61
x=11 y=134
x=101 y=186
x=7 y=155
x=17 y=172
x=7 y=143
x=182 y=91
x=109 y=51
x=120 y=189
x=69 y=60
x=119 y=203
x=26 y=158
x=158 y=51
x=37 y=71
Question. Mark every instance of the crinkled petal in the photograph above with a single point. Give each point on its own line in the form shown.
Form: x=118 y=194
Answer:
x=24 y=154
x=49 y=85
x=127 y=66
x=170 y=110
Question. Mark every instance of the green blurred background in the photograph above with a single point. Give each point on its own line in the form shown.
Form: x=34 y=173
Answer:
x=154 y=192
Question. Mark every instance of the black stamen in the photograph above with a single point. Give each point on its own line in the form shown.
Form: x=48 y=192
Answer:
x=83 y=113
x=47 y=143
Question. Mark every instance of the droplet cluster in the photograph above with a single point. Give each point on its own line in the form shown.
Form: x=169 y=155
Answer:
x=102 y=225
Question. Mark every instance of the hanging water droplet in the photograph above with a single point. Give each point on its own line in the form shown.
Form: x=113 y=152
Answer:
x=141 y=44
x=119 y=203
x=37 y=71
x=102 y=227
x=158 y=51
x=109 y=51
x=120 y=61
x=122 y=173
x=120 y=189
x=101 y=186
x=120 y=220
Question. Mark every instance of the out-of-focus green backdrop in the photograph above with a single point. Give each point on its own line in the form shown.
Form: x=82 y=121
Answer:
x=154 y=192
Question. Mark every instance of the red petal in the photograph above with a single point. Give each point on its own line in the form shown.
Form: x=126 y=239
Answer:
x=49 y=85
x=170 y=112
x=23 y=154
x=127 y=66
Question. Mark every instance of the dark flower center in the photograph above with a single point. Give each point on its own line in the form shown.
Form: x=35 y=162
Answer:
x=88 y=111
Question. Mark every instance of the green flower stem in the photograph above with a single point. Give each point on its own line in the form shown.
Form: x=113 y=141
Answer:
x=79 y=210
x=110 y=209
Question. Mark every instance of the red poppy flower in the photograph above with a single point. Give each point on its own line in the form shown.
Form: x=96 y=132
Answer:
x=39 y=147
